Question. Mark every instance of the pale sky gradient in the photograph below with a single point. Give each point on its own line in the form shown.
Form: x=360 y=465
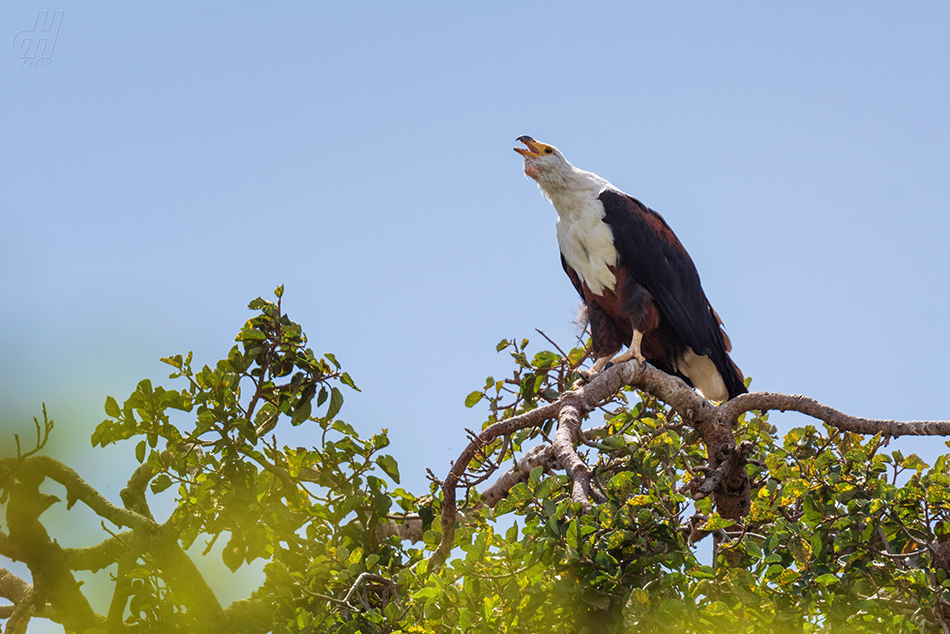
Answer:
x=172 y=162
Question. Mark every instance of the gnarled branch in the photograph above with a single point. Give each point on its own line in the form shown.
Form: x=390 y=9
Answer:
x=726 y=478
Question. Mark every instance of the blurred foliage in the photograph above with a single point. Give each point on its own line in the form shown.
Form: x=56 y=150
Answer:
x=843 y=535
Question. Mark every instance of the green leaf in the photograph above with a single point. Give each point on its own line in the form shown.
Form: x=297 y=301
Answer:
x=913 y=461
x=160 y=483
x=332 y=358
x=233 y=553
x=427 y=593
x=336 y=402
x=112 y=408
x=301 y=414
x=346 y=380
x=716 y=521
x=279 y=291
x=614 y=442
x=534 y=478
x=702 y=572
x=140 y=451
x=827 y=579
x=473 y=398
x=753 y=549
x=545 y=359
x=388 y=464
x=344 y=428
x=248 y=333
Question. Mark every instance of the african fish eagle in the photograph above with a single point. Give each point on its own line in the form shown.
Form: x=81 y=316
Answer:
x=638 y=283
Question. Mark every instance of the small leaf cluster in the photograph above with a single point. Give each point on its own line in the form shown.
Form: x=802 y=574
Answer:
x=310 y=512
x=540 y=378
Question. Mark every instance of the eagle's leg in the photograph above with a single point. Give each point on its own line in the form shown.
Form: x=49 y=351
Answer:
x=633 y=350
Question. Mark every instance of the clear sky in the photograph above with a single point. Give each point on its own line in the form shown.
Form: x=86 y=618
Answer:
x=168 y=163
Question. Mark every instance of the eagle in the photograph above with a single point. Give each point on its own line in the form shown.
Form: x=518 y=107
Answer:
x=638 y=284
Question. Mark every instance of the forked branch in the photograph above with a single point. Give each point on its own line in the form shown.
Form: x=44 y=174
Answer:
x=726 y=478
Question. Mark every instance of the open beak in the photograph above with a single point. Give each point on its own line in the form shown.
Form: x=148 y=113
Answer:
x=530 y=147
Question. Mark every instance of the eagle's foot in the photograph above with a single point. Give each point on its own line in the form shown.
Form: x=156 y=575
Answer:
x=589 y=375
x=586 y=376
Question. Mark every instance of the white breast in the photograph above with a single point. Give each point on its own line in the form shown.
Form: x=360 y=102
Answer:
x=586 y=241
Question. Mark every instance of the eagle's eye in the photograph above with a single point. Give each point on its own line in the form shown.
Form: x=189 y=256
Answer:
x=548 y=150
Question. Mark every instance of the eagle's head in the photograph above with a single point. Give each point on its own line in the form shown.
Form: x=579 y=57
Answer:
x=555 y=175
x=541 y=160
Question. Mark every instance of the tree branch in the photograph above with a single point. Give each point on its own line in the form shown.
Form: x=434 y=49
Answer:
x=180 y=572
x=727 y=480
x=539 y=456
x=567 y=435
x=12 y=587
x=99 y=556
x=23 y=609
x=79 y=489
x=8 y=549
x=133 y=495
x=449 y=508
x=52 y=578
x=766 y=401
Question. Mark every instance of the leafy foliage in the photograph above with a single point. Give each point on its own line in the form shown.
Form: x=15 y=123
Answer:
x=843 y=533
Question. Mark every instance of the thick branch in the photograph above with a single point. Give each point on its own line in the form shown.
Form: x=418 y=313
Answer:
x=539 y=456
x=133 y=495
x=408 y=528
x=99 y=556
x=765 y=401
x=21 y=594
x=8 y=549
x=568 y=433
x=253 y=616
x=12 y=587
x=79 y=489
x=52 y=578
x=181 y=573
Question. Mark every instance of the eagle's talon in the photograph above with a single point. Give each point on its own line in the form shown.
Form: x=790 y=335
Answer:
x=586 y=376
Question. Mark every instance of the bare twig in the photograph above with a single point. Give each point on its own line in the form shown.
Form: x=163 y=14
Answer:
x=551 y=341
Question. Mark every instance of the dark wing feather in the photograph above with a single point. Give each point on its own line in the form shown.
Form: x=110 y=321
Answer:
x=658 y=261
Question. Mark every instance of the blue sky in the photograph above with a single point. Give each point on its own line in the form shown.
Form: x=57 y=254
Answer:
x=170 y=164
